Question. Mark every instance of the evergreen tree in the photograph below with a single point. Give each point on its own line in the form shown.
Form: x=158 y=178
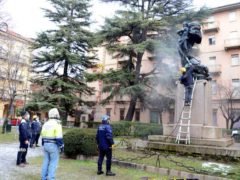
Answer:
x=139 y=21
x=62 y=56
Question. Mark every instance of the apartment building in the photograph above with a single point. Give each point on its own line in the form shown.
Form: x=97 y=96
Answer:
x=220 y=51
x=15 y=59
x=118 y=106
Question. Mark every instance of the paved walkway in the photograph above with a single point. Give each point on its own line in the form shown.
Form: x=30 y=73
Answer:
x=8 y=156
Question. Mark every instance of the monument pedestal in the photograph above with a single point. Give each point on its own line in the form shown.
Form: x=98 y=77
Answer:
x=202 y=132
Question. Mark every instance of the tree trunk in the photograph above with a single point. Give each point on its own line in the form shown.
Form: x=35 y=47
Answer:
x=227 y=123
x=9 y=113
x=131 y=109
x=231 y=124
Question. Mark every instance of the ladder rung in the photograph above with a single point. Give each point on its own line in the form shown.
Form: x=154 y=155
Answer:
x=184 y=132
x=186 y=118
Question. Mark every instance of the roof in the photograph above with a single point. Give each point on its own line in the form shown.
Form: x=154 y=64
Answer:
x=228 y=7
x=16 y=35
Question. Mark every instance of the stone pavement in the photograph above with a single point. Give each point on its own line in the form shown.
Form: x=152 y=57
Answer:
x=8 y=156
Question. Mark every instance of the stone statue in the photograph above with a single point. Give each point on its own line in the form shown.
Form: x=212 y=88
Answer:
x=189 y=35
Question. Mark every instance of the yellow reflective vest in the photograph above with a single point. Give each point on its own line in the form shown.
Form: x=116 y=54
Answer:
x=52 y=132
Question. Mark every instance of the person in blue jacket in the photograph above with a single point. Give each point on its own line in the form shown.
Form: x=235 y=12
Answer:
x=24 y=137
x=105 y=144
x=36 y=129
x=187 y=80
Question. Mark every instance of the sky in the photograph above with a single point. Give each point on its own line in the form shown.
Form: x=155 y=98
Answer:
x=27 y=18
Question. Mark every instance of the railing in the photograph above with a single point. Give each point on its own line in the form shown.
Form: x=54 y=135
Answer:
x=210 y=27
x=232 y=43
x=215 y=68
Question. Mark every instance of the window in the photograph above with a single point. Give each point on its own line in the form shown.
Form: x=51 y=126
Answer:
x=214 y=87
x=232 y=16
x=154 y=117
x=108 y=111
x=214 y=117
x=137 y=114
x=211 y=40
x=122 y=112
x=210 y=22
x=235 y=59
x=235 y=83
x=212 y=60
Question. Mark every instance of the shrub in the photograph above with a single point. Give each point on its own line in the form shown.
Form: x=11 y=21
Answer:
x=143 y=130
x=136 y=129
x=122 y=128
x=80 y=141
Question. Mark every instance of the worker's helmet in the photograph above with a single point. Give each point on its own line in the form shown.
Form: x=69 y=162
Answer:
x=53 y=114
x=105 y=118
x=182 y=70
x=35 y=117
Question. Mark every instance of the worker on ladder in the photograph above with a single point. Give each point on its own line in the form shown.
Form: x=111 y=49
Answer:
x=187 y=80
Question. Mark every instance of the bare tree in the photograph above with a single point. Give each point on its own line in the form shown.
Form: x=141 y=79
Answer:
x=229 y=104
x=12 y=77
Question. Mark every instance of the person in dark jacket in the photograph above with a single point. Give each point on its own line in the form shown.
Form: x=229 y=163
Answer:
x=36 y=130
x=105 y=144
x=187 y=80
x=24 y=137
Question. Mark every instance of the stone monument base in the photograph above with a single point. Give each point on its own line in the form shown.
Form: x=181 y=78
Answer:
x=196 y=131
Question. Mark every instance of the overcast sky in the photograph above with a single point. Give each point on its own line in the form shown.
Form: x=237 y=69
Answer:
x=27 y=18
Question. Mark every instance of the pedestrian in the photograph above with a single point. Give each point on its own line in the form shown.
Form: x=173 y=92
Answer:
x=24 y=138
x=52 y=141
x=36 y=129
x=187 y=80
x=39 y=128
x=105 y=144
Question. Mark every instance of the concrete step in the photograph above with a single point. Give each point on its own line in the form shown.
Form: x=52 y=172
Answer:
x=191 y=149
x=222 y=142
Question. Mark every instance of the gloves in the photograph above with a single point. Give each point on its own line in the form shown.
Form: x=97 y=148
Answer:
x=61 y=149
x=113 y=146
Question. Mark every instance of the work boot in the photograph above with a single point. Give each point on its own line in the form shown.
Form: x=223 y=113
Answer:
x=109 y=173
x=100 y=172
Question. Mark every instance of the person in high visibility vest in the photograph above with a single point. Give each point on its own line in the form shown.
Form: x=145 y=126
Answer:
x=105 y=144
x=24 y=138
x=52 y=141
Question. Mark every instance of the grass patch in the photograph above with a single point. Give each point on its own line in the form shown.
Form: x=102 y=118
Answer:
x=9 y=137
x=195 y=162
x=77 y=169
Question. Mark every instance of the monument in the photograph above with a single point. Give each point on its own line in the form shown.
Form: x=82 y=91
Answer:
x=202 y=132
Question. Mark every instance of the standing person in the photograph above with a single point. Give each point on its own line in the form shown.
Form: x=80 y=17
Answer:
x=52 y=141
x=36 y=129
x=187 y=80
x=24 y=137
x=39 y=128
x=105 y=144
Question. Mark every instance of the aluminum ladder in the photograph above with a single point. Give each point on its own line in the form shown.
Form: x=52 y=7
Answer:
x=183 y=134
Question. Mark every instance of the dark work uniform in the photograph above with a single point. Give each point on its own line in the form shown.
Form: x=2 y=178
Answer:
x=187 y=80
x=36 y=129
x=104 y=140
x=23 y=136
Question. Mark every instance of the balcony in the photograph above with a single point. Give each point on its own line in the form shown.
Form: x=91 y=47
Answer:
x=232 y=43
x=210 y=27
x=215 y=69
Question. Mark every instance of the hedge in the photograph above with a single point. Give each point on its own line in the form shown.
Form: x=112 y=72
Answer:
x=80 y=141
x=136 y=129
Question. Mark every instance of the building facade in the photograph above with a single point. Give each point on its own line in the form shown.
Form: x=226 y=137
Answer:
x=15 y=60
x=220 y=51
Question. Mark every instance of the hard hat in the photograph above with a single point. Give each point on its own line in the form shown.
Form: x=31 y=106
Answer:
x=35 y=117
x=182 y=69
x=105 y=118
x=53 y=114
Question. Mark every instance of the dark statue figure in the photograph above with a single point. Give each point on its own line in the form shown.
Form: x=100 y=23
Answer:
x=189 y=35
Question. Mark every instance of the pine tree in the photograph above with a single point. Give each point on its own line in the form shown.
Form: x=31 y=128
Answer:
x=138 y=21
x=62 y=57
